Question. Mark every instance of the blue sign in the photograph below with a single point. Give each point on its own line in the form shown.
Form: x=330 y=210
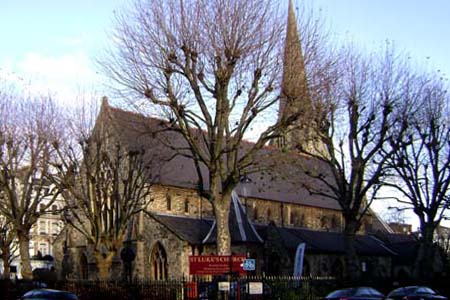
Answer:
x=249 y=264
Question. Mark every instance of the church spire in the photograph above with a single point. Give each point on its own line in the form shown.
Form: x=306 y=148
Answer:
x=295 y=97
x=294 y=88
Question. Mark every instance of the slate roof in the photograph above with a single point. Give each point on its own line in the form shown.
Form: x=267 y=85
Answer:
x=329 y=242
x=154 y=135
x=241 y=230
x=406 y=252
x=203 y=231
x=405 y=245
x=195 y=230
x=192 y=230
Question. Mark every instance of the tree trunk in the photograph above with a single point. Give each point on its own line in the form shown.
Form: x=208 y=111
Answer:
x=352 y=272
x=221 y=211
x=24 y=249
x=6 y=265
x=423 y=266
x=104 y=262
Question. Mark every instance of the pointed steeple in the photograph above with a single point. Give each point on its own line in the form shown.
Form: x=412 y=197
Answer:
x=294 y=87
x=295 y=96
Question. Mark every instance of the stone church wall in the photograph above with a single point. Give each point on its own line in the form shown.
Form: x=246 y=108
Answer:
x=295 y=215
x=179 y=202
x=176 y=250
x=185 y=202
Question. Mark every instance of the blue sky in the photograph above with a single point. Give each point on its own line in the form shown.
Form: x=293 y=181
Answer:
x=51 y=45
x=420 y=28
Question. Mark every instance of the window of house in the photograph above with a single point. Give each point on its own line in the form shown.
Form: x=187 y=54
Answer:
x=33 y=248
x=43 y=248
x=169 y=201
x=54 y=209
x=55 y=228
x=42 y=227
x=41 y=207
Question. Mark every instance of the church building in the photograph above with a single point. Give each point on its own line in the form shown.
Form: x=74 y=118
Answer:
x=269 y=216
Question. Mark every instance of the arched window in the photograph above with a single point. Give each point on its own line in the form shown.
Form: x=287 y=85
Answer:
x=324 y=220
x=186 y=205
x=255 y=213
x=335 y=224
x=84 y=271
x=42 y=227
x=302 y=221
x=269 y=215
x=294 y=218
x=288 y=214
x=168 y=201
x=158 y=263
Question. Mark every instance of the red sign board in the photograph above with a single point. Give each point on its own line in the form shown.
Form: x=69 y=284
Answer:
x=215 y=264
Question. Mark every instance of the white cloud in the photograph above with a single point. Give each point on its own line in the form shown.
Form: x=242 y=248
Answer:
x=64 y=76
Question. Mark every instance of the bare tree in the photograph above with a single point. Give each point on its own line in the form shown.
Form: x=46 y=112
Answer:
x=104 y=185
x=422 y=163
x=216 y=67
x=350 y=134
x=27 y=126
x=8 y=245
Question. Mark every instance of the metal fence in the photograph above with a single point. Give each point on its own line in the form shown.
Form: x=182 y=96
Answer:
x=226 y=288
x=240 y=288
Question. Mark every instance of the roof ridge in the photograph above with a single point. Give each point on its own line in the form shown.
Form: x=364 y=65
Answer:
x=114 y=109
